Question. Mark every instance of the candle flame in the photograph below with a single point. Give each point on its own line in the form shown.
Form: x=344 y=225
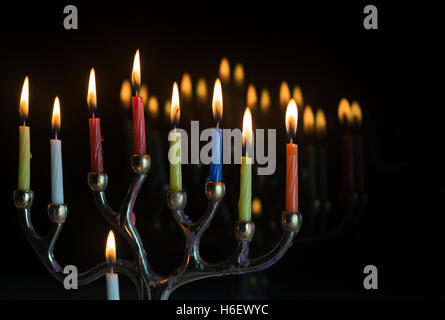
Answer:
x=110 y=251
x=356 y=113
x=55 y=120
x=308 y=120
x=291 y=119
x=284 y=94
x=175 y=111
x=238 y=74
x=125 y=94
x=344 y=112
x=224 y=70
x=247 y=128
x=144 y=93
x=91 y=97
x=257 y=207
x=217 y=103
x=186 y=86
x=320 y=123
x=24 y=100
x=298 y=95
x=201 y=90
x=153 y=106
x=265 y=100
x=252 y=98
x=136 y=74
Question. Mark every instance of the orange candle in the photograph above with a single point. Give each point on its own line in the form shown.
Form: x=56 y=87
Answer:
x=291 y=158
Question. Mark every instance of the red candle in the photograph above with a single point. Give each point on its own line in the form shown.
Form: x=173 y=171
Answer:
x=138 y=109
x=94 y=124
x=291 y=158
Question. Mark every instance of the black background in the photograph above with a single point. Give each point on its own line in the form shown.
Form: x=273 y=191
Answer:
x=324 y=48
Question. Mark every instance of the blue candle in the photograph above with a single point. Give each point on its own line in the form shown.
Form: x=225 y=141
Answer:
x=216 y=164
x=217 y=108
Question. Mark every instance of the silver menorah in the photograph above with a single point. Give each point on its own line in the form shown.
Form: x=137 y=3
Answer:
x=150 y=285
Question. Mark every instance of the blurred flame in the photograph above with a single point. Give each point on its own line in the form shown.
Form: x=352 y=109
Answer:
x=144 y=93
x=224 y=70
x=284 y=94
x=344 y=112
x=186 y=86
x=153 y=106
x=175 y=112
x=136 y=74
x=91 y=97
x=308 y=120
x=247 y=127
x=252 y=98
x=320 y=122
x=24 y=99
x=297 y=95
x=167 y=107
x=217 y=103
x=125 y=94
x=291 y=119
x=356 y=113
x=55 y=120
x=201 y=90
x=265 y=100
x=257 y=207
x=110 y=251
x=238 y=74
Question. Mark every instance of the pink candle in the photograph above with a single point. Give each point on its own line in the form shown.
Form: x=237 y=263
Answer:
x=291 y=158
x=94 y=124
x=138 y=109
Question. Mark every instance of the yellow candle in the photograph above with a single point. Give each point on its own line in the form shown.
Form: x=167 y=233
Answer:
x=174 y=154
x=245 y=200
x=24 y=141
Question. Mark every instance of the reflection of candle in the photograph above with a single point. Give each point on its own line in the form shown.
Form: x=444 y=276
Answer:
x=138 y=109
x=94 y=122
x=56 y=157
x=345 y=118
x=297 y=95
x=125 y=98
x=224 y=75
x=174 y=154
x=217 y=108
x=186 y=88
x=356 y=112
x=245 y=200
x=291 y=158
x=24 y=176
x=112 y=278
x=309 y=152
x=284 y=95
x=264 y=101
x=201 y=90
x=321 y=155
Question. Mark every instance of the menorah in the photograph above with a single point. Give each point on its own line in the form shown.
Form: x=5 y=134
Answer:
x=148 y=283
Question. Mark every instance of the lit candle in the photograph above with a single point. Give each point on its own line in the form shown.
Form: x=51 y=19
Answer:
x=138 y=109
x=345 y=118
x=174 y=154
x=217 y=108
x=94 y=123
x=309 y=153
x=245 y=201
x=56 y=157
x=291 y=158
x=24 y=175
x=112 y=278
x=359 y=167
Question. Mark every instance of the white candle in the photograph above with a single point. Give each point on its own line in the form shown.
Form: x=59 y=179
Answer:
x=112 y=286
x=112 y=278
x=56 y=158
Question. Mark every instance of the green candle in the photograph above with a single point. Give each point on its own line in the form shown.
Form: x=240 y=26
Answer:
x=245 y=199
x=24 y=141
x=174 y=154
x=175 y=161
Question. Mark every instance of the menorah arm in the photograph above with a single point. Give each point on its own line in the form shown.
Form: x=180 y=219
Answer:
x=44 y=245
